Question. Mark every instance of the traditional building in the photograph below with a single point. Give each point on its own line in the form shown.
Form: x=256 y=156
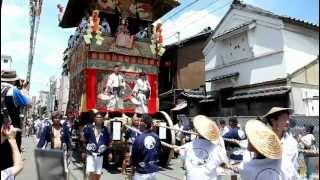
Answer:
x=42 y=102
x=254 y=58
x=182 y=67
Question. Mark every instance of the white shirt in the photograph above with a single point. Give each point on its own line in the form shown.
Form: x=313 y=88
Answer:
x=308 y=139
x=115 y=80
x=141 y=85
x=224 y=130
x=202 y=159
x=290 y=154
x=262 y=169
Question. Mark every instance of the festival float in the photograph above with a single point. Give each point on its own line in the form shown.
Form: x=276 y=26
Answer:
x=106 y=39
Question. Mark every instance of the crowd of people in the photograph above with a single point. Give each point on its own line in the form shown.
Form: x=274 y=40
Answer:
x=263 y=149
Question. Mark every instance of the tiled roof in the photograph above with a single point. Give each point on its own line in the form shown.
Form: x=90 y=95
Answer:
x=240 y=5
x=243 y=26
x=261 y=93
x=170 y=92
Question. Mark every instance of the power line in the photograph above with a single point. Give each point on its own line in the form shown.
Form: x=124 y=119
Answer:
x=187 y=6
x=209 y=12
x=206 y=7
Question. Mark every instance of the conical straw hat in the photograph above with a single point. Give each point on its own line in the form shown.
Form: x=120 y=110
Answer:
x=263 y=139
x=275 y=110
x=206 y=127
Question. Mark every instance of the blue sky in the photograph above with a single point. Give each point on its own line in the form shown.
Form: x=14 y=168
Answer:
x=52 y=40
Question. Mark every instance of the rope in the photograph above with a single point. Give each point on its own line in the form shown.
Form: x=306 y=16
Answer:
x=139 y=132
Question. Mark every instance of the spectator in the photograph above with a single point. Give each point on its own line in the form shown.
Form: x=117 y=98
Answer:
x=9 y=134
x=14 y=91
x=278 y=119
x=223 y=127
x=308 y=141
x=236 y=153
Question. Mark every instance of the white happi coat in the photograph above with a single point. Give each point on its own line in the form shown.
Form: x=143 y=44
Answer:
x=114 y=81
x=140 y=87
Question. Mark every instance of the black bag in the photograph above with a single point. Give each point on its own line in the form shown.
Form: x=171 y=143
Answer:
x=4 y=111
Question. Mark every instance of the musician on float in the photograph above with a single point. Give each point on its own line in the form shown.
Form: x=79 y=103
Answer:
x=115 y=87
x=142 y=91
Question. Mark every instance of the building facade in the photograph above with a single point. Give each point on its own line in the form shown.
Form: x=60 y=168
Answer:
x=182 y=67
x=6 y=63
x=251 y=56
x=43 y=102
x=63 y=96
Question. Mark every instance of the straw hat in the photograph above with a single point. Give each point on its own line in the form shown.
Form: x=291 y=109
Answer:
x=206 y=127
x=9 y=76
x=276 y=110
x=263 y=139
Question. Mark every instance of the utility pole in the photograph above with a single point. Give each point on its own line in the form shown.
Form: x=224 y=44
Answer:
x=35 y=11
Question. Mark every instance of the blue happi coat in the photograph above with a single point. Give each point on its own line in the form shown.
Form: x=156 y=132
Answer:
x=47 y=134
x=94 y=146
x=145 y=153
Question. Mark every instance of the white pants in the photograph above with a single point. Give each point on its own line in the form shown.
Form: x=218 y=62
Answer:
x=152 y=176
x=115 y=103
x=142 y=107
x=94 y=164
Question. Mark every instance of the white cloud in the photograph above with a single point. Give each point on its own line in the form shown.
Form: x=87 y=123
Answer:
x=17 y=49
x=54 y=58
x=13 y=10
x=14 y=21
x=188 y=24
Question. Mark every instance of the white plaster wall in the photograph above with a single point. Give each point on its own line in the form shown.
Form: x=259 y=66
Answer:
x=298 y=105
x=265 y=38
x=259 y=70
x=300 y=48
x=302 y=105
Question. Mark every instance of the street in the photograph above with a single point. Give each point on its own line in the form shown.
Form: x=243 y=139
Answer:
x=174 y=172
x=29 y=172
x=238 y=79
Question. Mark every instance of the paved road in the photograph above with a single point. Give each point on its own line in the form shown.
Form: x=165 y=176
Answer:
x=29 y=172
x=174 y=172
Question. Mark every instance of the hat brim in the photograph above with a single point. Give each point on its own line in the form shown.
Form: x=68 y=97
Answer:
x=290 y=110
x=263 y=139
x=9 y=79
x=206 y=128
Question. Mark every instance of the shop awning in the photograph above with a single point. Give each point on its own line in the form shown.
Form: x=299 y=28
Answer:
x=180 y=106
x=207 y=100
x=236 y=74
x=261 y=93
x=195 y=94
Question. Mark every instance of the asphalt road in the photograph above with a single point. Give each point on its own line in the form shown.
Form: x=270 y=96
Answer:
x=175 y=172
